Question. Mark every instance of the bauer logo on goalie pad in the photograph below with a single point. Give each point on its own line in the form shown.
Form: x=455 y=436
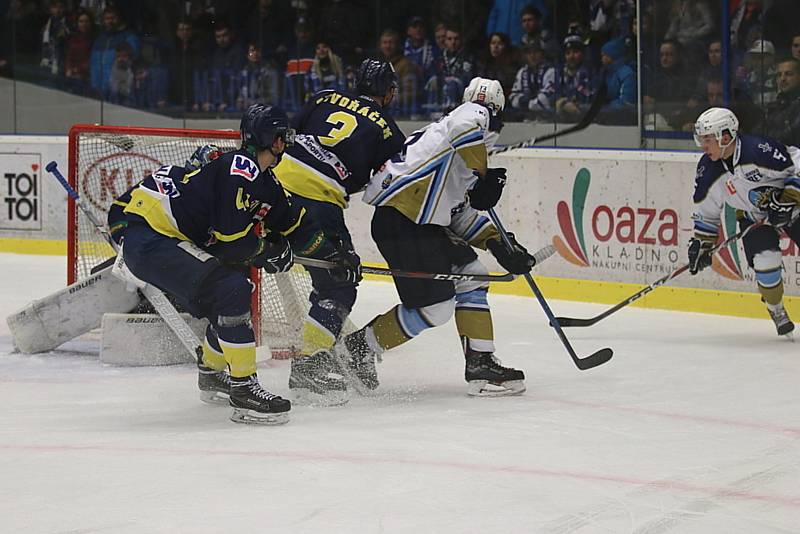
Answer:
x=244 y=167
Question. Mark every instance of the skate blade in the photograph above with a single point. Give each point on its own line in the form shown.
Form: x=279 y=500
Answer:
x=217 y=398
x=484 y=388
x=251 y=417
x=306 y=397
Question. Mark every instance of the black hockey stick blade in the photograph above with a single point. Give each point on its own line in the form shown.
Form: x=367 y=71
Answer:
x=593 y=360
x=567 y=322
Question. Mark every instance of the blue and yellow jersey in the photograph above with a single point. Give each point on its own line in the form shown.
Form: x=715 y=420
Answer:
x=342 y=139
x=216 y=206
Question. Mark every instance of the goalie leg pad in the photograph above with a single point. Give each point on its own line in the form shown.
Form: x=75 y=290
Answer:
x=144 y=339
x=46 y=323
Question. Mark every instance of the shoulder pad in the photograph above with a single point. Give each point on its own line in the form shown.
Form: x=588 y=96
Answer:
x=765 y=152
x=472 y=112
x=708 y=172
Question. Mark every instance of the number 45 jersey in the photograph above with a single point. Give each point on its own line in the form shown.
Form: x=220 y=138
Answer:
x=341 y=139
x=760 y=165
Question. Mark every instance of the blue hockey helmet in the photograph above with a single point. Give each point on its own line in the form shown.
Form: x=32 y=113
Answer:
x=261 y=125
x=375 y=77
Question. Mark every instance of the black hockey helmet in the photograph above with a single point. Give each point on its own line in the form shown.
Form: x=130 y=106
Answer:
x=261 y=125
x=375 y=77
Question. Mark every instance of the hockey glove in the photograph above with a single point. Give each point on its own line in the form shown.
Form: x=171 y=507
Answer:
x=699 y=254
x=348 y=264
x=273 y=254
x=779 y=212
x=487 y=190
x=517 y=261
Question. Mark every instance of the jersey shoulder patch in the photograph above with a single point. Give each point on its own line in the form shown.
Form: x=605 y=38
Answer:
x=243 y=166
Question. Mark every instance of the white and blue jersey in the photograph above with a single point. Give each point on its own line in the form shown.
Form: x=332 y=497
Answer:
x=759 y=166
x=428 y=181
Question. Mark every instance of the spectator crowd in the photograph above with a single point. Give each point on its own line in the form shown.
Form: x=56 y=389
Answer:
x=551 y=56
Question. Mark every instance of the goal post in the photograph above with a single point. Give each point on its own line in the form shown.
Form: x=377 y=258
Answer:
x=105 y=161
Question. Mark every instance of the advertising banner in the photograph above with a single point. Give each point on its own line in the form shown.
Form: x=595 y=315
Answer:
x=622 y=217
x=20 y=191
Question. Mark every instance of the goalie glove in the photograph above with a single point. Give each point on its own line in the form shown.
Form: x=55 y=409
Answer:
x=779 y=212
x=273 y=254
x=516 y=261
x=487 y=190
x=699 y=254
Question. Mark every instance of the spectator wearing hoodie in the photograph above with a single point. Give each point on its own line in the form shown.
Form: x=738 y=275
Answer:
x=620 y=80
x=104 y=49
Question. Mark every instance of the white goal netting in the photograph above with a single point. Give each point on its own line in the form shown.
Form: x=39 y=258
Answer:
x=105 y=161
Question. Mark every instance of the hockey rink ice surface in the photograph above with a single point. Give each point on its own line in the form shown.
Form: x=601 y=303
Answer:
x=692 y=427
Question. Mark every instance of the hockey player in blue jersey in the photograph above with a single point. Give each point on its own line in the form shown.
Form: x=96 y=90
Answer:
x=342 y=138
x=758 y=177
x=190 y=234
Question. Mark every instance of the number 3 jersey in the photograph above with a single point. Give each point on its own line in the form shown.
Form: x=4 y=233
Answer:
x=341 y=139
x=760 y=165
x=216 y=206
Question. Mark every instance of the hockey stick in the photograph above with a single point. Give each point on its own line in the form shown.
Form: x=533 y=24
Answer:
x=162 y=305
x=593 y=360
x=586 y=120
x=540 y=256
x=574 y=321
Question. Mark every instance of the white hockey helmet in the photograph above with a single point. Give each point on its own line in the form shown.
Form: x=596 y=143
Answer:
x=716 y=121
x=487 y=92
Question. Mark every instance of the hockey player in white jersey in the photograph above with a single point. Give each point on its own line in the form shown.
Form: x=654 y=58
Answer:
x=758 y=177
x=426 y=218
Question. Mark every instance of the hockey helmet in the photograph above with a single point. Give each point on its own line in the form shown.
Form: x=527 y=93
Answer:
x=375 y=77
x=486 y=92
x=261 y=125
x=716 y=121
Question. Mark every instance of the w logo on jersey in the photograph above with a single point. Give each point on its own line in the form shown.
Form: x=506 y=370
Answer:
x=244 y=167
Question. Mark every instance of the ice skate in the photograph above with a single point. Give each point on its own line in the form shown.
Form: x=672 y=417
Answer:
x=215 y=386
x=315 y=380
x=252 y=404
x=488 y=378
x=357 y=363
x=783 y=324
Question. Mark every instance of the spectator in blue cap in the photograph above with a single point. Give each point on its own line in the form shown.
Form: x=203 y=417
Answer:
x=620 y=83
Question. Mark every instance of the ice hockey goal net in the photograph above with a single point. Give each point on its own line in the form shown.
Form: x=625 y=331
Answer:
x=105 y=161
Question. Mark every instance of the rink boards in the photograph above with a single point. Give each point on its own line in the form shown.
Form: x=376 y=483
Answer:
x=619 y=219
